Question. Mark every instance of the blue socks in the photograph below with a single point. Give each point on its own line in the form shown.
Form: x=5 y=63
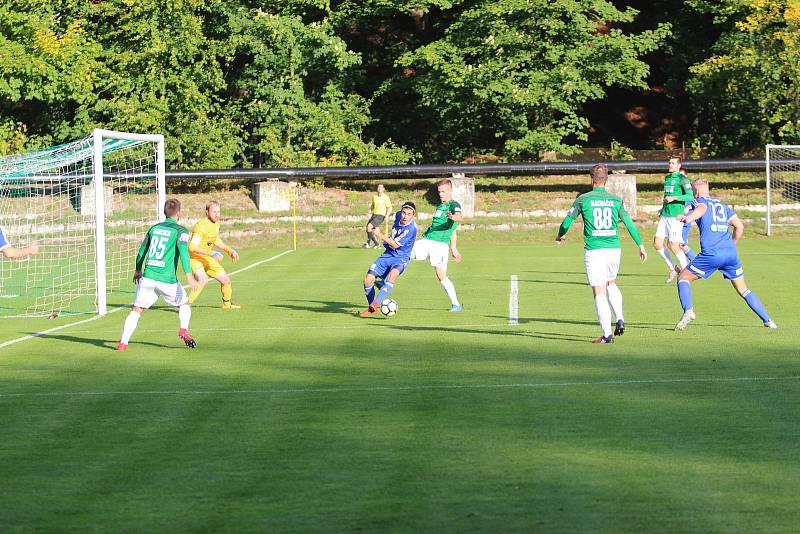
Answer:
x=690 y=253
x=755 y=304
x=384 y=292
x=369 y=291
x=685 y=294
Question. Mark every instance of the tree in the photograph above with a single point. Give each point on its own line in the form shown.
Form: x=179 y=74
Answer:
x=747 y=93
x=510 y=77
x=293 y=94
x=49 y=67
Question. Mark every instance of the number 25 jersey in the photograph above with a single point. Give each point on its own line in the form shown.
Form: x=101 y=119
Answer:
x=164 y=243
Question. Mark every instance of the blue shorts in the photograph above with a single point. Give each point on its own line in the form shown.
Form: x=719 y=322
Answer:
x=386 y=263
x=725 y=261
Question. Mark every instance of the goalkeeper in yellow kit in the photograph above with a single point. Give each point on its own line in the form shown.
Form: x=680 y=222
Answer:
x=204 y=259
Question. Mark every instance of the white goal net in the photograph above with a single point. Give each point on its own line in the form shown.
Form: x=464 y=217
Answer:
x=88 y=205
x=783 y=186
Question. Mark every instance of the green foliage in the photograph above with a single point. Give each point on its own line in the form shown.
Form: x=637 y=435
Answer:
x=747 y=93
x=510 y=76
x=618 y=152
x=373 y=82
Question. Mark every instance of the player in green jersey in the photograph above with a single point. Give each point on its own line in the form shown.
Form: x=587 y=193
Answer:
x=601 y=212
x=165 y=244
x=677 y=193
x=440 y=239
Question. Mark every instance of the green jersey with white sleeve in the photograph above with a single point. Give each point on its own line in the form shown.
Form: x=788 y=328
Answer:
x=164 y=244
x=441 y=227
x=601 y=212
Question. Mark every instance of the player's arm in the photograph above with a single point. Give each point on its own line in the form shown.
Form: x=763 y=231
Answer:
x=454 y=246
x=140 y=256
x=738 y=227
x=388 y=240
x=16 y=253
x=698 y=210
x=568 y=220
x=454 y=214
x=686 y=187
x=196 y=240
x=230 y=251
x=183 y=254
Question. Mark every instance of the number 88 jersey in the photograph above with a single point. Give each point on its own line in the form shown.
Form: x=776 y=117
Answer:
x=601 y=212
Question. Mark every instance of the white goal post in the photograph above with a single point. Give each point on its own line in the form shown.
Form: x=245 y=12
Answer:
x=88 y=204
x=783 y=185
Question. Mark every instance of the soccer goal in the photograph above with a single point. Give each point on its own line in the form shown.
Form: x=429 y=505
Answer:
x=88 y=204
x=783 y=185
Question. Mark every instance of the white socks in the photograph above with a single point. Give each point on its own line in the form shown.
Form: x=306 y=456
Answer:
x=615 y=298
x=665 y=254
x=682 y=259
x=450 y=289
x=184 y=314
x=603 y=313
x=130 y=325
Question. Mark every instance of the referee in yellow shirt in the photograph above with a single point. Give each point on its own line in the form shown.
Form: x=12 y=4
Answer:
x=380 y=208
x=205 y=261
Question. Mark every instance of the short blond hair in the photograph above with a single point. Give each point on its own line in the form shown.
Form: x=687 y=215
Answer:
x=210 y=204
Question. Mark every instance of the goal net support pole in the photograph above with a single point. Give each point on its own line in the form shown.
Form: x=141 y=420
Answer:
x=88 y=204
x=99 y=199
x=783 y=179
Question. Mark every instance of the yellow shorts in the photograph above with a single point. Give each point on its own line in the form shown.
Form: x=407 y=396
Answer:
x=211 y=266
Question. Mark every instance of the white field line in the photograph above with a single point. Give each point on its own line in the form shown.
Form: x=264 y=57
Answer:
x=513 y=301
x=57 y=328
x=432 y=387
x=256 y=264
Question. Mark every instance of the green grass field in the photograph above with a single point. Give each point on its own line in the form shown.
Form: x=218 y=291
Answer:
x=294 y=415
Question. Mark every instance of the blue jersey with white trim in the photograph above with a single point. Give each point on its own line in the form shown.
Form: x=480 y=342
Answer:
x=714 y=225
x=404 y=235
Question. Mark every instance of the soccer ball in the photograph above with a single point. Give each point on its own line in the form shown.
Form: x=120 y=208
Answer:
x=389 y=307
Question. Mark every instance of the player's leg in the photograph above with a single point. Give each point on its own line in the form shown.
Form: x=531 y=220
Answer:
x=687 y=250
x=439 y=254
x=753 y=301
x=226 y=289
x=369 y=230
x=613 y=256
x=597 y=275
x=658 y=244
x=369 y=287
x=615 y=299
x=675 y=238
x=174 y=295
x=677 y=251
x=388 y=283
x=380 y=269
x=199 y=270
x=145 y=297
x=685 y=280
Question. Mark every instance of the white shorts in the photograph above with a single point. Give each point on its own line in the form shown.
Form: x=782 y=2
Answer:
x=148 y=291
x=602 y=265
x=437 y=251
x=670 y=228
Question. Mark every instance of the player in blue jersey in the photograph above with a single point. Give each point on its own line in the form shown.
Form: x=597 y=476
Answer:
x=391 y=264
x=717 y=253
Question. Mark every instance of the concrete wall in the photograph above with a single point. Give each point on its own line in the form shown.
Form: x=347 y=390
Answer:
x=273 y=195
x=624 y=186
x=464 y=193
